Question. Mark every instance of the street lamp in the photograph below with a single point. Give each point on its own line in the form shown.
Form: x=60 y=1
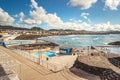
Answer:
x=38 y=55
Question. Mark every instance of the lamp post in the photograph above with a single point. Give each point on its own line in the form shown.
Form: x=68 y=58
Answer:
x=88 y=51
x=38 y=56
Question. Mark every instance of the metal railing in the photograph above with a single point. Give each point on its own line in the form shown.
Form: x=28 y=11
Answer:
x=27 y=55
x=51 y=66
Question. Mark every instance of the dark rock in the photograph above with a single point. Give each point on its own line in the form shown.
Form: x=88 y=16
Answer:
x=114 y=43
x=0 y=36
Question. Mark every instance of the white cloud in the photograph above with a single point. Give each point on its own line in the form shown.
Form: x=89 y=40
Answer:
x=85 y=16
x=16 y=16
x=82 y=4
x=39 y=16
x=75 y=21
x=112 y=4
x=29 y=21
x=26 y=21
x=34 y=4
x=22 y=16
x=106 y=27
x=5 y=18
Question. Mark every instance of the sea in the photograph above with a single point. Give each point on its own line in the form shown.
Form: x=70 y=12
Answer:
x=77 y=41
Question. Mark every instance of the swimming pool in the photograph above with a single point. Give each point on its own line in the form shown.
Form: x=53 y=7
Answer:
x=18 y=42
x=49 y=54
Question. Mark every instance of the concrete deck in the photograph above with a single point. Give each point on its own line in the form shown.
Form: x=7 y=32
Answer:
x=33 y=71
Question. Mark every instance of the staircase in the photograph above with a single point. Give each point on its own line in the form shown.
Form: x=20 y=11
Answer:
x=70 y=76
x=110 y=75
x=115 y=62
x=111 y=66
x=34 y=66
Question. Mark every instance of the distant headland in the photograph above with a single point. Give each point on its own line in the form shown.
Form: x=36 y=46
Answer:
x=35 y=32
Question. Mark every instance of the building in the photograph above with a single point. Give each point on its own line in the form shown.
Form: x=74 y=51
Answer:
x=65 y=50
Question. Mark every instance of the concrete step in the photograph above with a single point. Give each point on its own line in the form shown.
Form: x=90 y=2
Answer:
x=70 y=76
x=111 y=66
x=27 y=62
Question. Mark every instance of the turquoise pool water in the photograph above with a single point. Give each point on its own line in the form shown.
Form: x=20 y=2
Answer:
x=17 y=42
x=49 y=54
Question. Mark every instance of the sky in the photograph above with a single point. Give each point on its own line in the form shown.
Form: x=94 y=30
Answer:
x=92 y=15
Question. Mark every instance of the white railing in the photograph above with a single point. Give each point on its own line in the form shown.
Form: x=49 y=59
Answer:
x=51 y=66
x=27 y=55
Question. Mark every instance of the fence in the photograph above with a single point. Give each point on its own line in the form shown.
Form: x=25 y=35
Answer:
x=27 y=55
x=51 y=66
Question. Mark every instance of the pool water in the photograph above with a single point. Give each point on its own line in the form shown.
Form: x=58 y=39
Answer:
x=18 y=42
x=49 y=54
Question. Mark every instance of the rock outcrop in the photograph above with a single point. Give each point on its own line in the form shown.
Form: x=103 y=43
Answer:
x=114 y=43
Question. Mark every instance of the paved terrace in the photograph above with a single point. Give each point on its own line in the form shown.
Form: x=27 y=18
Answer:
x=33 y=71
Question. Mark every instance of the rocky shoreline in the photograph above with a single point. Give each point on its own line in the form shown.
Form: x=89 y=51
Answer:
x=98 y=66
x=31 y=36
x=114 y=43
x=35 y=46
x=28 y=37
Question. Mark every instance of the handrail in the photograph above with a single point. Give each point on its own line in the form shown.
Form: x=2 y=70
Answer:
x=54 y=67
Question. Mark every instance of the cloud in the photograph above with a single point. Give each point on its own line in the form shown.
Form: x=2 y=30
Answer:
x=85 y=16
x=22 y=16
x=30 y=22
x=24 y=21
x=16 y=16
x=82 y=4
x=5 y=18
x=34 y=4
x=112 y=4
x=39 y=15
x=75 y=20
x=106 y=27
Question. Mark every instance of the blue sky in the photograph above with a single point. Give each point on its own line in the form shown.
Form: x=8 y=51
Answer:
x=62 y=14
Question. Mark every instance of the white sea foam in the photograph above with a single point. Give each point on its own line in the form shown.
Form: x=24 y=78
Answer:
x=82 y=40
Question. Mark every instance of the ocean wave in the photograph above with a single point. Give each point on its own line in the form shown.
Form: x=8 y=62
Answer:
x=95 y=38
